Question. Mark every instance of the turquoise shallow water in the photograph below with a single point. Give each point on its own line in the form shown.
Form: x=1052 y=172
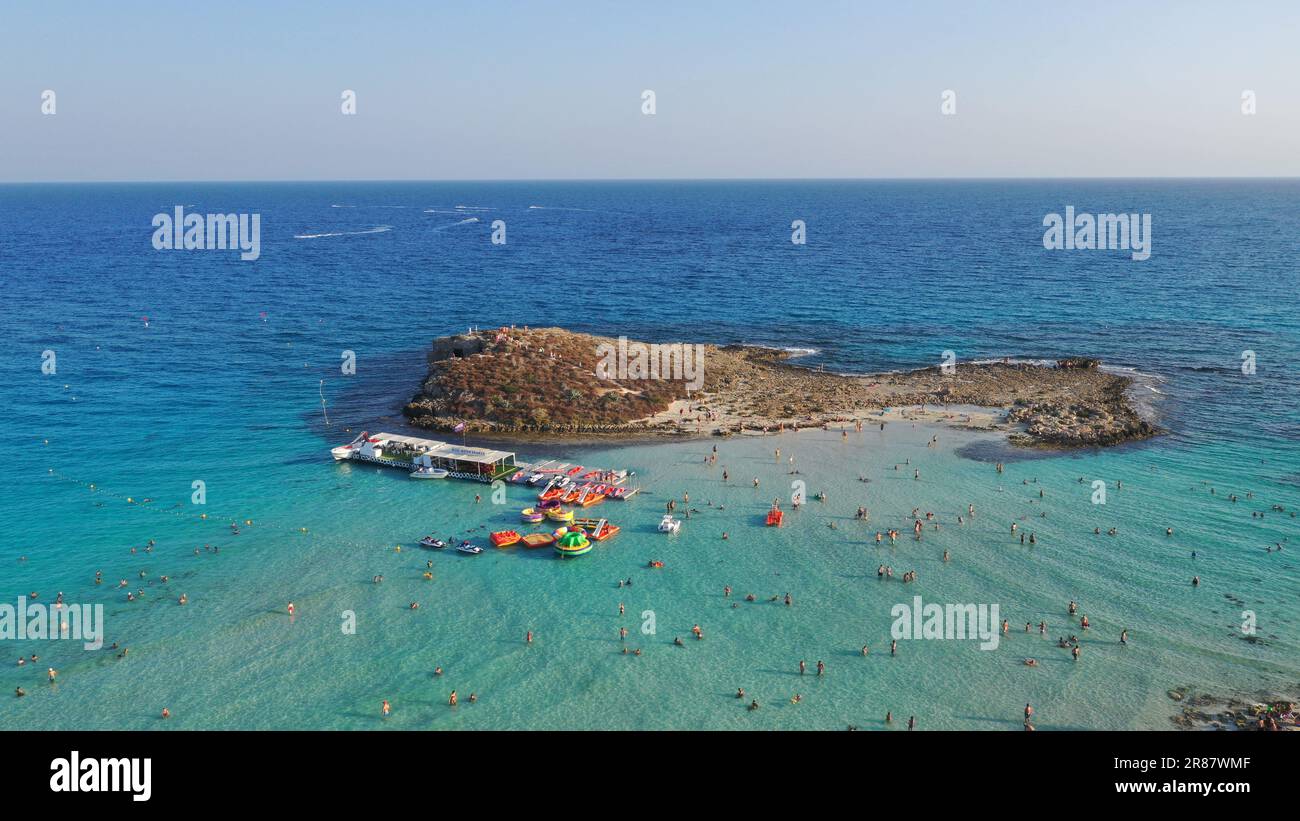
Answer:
x=223 y=385
x=232 y=658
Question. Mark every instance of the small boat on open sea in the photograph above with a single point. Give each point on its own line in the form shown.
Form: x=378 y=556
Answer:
x=505 y=538
x=472 y=549
x=668 y=524
x=432 y=543
x=775 y=517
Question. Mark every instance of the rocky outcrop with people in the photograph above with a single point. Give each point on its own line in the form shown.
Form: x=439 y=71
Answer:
x=550 y=381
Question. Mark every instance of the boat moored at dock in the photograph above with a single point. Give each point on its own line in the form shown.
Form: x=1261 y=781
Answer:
x=428 y=457
x=429 y=473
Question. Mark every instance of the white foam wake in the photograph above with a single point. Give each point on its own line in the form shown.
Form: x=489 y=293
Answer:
x=561 y=208
x=454 y=224
x=376 y=230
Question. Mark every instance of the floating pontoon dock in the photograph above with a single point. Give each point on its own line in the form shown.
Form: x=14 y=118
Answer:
x=464 y=462
x=409 y=453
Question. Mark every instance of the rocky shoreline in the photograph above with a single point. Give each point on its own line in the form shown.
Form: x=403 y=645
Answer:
x=545 y=381
x=1209 y=712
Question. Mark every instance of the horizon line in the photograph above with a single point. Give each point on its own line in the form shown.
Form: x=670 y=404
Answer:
x=481 y=180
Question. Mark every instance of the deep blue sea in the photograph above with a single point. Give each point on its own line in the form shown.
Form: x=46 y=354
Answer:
x=181 y=366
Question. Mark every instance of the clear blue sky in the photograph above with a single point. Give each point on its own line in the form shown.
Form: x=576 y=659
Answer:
x=513 y=90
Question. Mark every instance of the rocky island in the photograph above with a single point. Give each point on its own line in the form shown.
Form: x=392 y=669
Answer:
x=552 y=381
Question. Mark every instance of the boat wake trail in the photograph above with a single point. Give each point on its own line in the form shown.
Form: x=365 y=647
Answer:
x=454 y=224
x=376 y=230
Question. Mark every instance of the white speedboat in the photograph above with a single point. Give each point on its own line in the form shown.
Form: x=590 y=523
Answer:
x=432 y=543
x=344 y=452
x=428 y=473
x=472 y=549
x=669 y=525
